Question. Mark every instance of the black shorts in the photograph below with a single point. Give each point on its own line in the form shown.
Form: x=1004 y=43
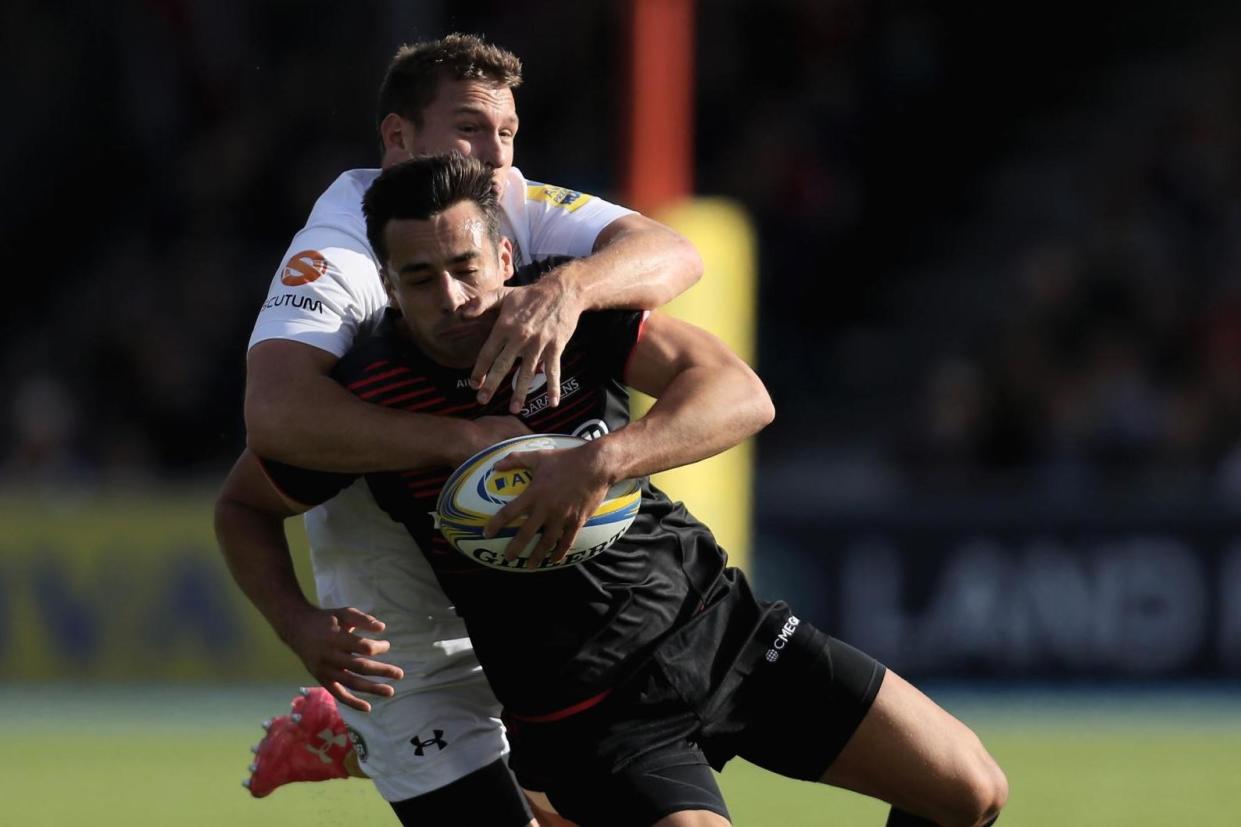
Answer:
x=742 y=678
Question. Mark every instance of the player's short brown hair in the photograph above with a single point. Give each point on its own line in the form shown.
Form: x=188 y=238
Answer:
x=417 y=69
x=426 y=186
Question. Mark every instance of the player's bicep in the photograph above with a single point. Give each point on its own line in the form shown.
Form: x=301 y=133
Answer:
x=247 y=485
x=625 y=224
x=284 y=379
x=282 y=352
x=275 y=365
x=667 y=347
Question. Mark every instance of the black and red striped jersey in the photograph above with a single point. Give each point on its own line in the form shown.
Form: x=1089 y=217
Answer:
x=552 y=639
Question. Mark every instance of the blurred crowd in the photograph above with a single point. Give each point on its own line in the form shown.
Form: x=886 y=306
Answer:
x=1017 y=254
x=966 y=282
x=1098 y=344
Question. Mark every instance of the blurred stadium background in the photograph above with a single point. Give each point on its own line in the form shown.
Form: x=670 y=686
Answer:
x=998 y=305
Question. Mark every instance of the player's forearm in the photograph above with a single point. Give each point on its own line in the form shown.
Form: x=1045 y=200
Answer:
x=257 y=554
x=313 y=422
x=638 y=267
x=704 y=411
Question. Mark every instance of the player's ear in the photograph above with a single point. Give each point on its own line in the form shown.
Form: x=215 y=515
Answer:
x=390 y=288
x=397 y=135
x=505 y=250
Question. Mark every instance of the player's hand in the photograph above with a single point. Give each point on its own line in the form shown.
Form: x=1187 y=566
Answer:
x=567 y=486
x=487 y=431
x=330 y=646
x=535 y=323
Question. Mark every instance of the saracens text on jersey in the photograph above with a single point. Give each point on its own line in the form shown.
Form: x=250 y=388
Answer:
x=568 y=387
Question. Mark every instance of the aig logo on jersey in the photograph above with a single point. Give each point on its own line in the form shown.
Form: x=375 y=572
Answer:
x=567 y=200
x=303 y=268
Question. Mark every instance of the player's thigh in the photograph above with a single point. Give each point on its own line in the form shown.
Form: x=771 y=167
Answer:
x=486 y=796
x=545 y=813
x=668 y=786
x=910 y=752
x=801 y=698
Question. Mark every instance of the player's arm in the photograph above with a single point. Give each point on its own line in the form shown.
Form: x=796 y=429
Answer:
x=321 y=298
x=636 y=263
x=297 y=413
x=249 y=526
x=707 y=400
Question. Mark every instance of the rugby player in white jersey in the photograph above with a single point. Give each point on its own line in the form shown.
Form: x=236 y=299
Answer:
x=429 y=736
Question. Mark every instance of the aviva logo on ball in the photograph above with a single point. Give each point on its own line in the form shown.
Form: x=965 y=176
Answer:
x=476 y=491
x=502 y=486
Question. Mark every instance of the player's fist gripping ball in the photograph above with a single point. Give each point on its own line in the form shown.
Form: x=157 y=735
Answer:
x=476 y=491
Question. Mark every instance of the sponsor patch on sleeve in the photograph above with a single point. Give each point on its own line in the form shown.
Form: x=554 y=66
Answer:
x=568 y=200
x=303 y=268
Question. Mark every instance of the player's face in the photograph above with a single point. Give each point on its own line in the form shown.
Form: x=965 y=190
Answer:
x=475 y=118
x=438 y=267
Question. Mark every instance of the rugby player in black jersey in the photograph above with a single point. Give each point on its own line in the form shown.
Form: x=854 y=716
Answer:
x=626 y=677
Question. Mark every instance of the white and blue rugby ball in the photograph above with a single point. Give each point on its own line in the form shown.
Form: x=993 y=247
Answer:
x=476 y=491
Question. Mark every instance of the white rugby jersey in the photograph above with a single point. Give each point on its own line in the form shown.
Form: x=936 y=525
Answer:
x=327 y=290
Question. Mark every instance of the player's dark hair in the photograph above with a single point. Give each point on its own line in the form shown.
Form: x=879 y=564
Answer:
x=424 y=187
x=415 y=73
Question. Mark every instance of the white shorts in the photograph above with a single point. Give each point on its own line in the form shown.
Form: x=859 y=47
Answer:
x=418 y=741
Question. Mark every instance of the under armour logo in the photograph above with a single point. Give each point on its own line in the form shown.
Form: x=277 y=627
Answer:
x=420 y=745
x=329 y=740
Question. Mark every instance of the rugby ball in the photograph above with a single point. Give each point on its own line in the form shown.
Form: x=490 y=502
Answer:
x=476 y=491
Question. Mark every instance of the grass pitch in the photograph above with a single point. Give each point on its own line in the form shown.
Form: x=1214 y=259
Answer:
x=129 y=757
